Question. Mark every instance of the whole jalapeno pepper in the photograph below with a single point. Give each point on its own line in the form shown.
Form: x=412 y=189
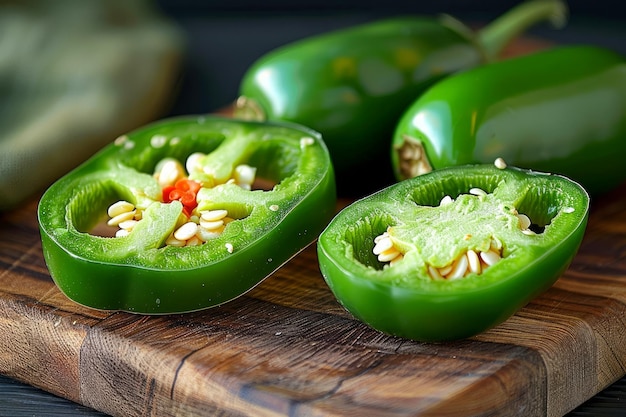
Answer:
x=452 y=253
x=185 y=213
x=562 y=110
x=352 y=85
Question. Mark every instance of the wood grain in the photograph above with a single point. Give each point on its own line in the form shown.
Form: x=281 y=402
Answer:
x=288 y=348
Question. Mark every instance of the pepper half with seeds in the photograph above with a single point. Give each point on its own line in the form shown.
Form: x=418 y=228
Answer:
x=185 y=213
x=454 y=252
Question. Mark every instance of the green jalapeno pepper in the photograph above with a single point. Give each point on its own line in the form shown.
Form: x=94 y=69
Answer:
x=562 y=110
x=352 y=85
x=185 y=213
x=452 y=253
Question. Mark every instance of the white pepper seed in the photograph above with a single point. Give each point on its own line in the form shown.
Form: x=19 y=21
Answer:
x=306 y=141
x=115 y=221
x=168 y=171
x=388 y=255
x=490 y=257
x=244 y=175
x=434 y=272
x=384 y=235
x=474 y=262
x=128 y=224
x=214 y=225
x=445 y=270
x=477 y=191
x=172 y=241
x=459 y=268
x=524 y=221
x=383 y=245
x=186 y=231
x=496 y=244
x=396 y=259
x=193 y=241
x=192 y=164
x=500 y=163
x=213 y=215
x=120 y=207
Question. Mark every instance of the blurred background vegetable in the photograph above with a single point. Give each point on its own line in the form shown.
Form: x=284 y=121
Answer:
x=73 y=76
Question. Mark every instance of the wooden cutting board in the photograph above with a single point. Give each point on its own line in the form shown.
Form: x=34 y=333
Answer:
x=288 y=348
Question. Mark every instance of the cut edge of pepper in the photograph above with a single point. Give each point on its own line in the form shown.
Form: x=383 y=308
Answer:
x=247 y=108
x=412 y=158
x=375 y=214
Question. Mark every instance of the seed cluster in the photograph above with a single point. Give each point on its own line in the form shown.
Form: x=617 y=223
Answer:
x=123 y=215
x=193 y=228
x=412 y=158
x=386 y=250
x=471 y=261
x=170 y=170
x=195 y=231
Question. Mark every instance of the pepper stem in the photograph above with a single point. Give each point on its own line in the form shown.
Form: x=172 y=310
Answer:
x=496 y=36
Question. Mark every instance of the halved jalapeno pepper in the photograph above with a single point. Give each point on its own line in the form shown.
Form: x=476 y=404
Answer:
x=452 y=253
x=185 y=213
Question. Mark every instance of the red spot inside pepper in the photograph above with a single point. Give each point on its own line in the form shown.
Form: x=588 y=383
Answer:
x=185 y=191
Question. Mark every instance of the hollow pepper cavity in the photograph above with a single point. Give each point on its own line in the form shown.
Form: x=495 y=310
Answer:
x=562 y=110
x=450 y=254
x=185 y=213
x=353 y=84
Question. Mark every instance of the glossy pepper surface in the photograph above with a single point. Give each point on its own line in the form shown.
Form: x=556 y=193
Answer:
x=562 y=110
x=353 y=84
x=403 y=260
x=158 y=266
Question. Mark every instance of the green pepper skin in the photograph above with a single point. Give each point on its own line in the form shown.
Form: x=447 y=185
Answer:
x=562 y=110
x=403 y=300
x=137 y=273
x=352 y=85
